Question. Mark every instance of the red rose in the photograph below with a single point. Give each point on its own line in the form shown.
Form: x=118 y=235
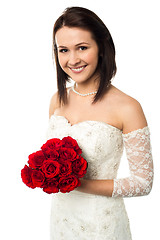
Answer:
x=51 y=153
x=79 y=167
x=69 y=142
x=26 y=174
x=36 y=159
x=51 y=186
x=67 y=184
x=65 y=169
x=51 y=144
x=38 y=178
x=67 y=154
x=50 y=168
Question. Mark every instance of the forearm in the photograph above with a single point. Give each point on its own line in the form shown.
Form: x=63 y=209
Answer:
x=97 y=187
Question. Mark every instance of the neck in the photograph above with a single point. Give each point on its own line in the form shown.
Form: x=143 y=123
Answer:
x=86 y=87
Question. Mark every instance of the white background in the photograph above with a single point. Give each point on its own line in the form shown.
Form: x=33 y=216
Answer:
x=28 y=80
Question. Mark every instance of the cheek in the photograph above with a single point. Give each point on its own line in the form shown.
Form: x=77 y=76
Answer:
x=92 y=58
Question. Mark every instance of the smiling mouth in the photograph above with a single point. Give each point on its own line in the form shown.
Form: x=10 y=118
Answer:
x=78 y=69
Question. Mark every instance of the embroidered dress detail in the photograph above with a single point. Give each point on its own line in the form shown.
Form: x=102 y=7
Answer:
x=138 y=152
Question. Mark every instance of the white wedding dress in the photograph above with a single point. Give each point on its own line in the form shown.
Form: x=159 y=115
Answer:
x=82 y=216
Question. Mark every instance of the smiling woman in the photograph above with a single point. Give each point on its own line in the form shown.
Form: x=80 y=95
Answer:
x=77 y=54
x=102 y=119
x=90 y=34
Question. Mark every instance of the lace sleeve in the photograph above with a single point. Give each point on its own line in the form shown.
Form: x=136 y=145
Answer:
x=138 y=152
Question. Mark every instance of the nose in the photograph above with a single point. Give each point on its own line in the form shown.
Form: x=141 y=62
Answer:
x=73 y=59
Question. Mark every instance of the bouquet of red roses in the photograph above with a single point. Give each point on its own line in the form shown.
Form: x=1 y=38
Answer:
x=56 y=167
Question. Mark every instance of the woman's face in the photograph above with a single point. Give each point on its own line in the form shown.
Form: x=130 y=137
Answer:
x=78 y=53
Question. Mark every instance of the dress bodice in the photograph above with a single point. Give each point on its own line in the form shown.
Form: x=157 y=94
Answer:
x=101 y=144
x=102 y=147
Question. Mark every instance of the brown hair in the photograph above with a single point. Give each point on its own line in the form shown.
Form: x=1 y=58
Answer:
x=88 y=20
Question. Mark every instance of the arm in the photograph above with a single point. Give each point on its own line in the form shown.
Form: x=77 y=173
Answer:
x=97 y=187
x=138 y=151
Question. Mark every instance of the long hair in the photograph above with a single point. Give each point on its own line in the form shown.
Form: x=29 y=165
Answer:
x=87 y=20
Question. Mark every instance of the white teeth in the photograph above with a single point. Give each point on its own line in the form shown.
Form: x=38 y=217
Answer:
x=77 y=69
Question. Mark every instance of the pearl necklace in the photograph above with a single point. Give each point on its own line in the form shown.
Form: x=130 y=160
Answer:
x=81 y=94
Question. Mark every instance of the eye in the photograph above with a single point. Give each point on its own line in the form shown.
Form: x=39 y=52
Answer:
x=82 y=48
x=63 y=50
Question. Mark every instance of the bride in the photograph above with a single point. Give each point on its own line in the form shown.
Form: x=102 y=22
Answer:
x=102 y=119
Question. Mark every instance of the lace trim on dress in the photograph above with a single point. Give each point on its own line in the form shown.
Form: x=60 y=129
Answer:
x=138 y=152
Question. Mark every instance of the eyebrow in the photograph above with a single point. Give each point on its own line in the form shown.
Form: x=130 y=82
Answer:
x=75 y=45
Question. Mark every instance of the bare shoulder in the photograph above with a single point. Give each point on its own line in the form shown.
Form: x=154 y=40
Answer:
x=130 y=111
x=54 y=104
